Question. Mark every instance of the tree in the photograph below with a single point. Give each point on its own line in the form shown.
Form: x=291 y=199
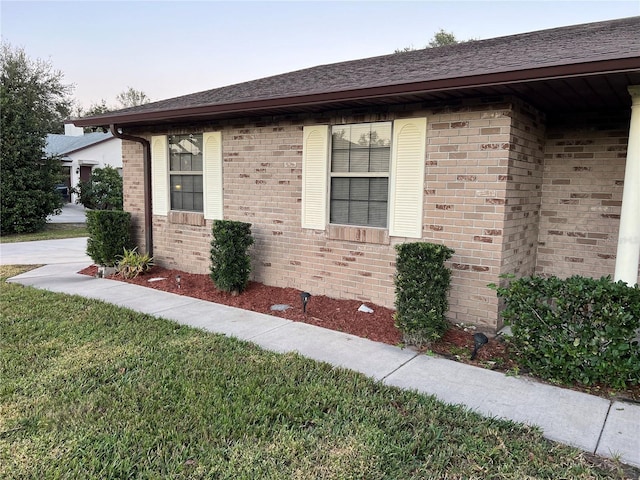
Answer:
x=132 y=98
x=103 y=191
x=99 y=108
x=33 y=102
x=441 y=38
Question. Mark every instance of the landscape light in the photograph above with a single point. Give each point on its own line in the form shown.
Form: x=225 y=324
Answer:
x=305 y=296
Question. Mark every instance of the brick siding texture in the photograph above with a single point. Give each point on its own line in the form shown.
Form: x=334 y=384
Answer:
x=483 y=196
x=133 y=189
x=582 y=194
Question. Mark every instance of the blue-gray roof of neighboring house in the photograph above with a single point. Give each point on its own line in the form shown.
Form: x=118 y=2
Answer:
x=66 y=144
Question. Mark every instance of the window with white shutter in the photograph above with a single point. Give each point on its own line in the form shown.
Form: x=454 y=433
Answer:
x=376 y=176
x=187 y=174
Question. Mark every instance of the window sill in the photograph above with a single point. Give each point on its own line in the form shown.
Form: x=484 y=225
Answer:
x=187 y=218
x=379 y=236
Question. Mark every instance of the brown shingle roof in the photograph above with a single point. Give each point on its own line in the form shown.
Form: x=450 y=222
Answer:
x=586 y=45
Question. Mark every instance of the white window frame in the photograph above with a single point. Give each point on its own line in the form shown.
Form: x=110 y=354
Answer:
x=386 y=174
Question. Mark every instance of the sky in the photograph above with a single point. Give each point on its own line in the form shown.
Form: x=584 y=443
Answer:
x=172 y=48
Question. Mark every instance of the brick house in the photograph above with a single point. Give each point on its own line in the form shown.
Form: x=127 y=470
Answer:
x=514 y=151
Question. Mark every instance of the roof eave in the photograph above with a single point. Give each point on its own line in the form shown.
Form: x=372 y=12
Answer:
x=601 y=67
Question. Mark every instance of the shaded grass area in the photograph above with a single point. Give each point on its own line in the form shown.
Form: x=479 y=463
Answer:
x=8 y=271
x=52 y=231
x=90 y=390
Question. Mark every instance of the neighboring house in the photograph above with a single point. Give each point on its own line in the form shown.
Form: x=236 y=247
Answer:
x=522 y=153
x=81 y=152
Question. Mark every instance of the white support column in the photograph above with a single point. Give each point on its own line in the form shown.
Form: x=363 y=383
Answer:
x=628 y=254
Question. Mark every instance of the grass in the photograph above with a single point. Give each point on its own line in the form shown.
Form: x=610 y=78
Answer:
x=89 y=390
x=52 y=231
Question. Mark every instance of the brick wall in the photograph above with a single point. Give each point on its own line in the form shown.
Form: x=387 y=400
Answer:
x=133 y=188
x=523 y=190
x=582 y=194
x=482 y=193
x=467 y=164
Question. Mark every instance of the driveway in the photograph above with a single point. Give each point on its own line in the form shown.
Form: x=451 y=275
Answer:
x=71 y=213
x=45 y=252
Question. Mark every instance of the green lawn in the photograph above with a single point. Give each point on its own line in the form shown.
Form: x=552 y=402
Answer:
x=52 y=231
x=89 y=390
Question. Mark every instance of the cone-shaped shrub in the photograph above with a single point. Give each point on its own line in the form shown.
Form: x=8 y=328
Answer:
x=109 y=235
x=422 y=282
x=230 y=262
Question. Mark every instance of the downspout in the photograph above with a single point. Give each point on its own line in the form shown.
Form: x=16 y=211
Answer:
x=146 y=155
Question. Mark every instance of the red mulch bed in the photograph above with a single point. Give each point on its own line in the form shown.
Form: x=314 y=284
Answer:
x=342 y=316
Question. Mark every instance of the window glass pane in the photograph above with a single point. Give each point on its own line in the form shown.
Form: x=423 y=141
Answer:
x=176 y=183
x=175 y=162
x=340 y=188
x=378 y=214
x=187 y=201
x=359 y=189
x=358 y=213
x=187 y=183
x=197 y=183
x=380 y=159
x=340 y=137
x=196 y=163
x=339 y=211
x=185 y=162
x=197 y=202
x=359 y=160
x=380 y=135
x=379 y=189
x=340 y=161
x=176 y=200
x=360 y=135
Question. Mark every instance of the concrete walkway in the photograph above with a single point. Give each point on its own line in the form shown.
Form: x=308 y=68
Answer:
x=593 y=424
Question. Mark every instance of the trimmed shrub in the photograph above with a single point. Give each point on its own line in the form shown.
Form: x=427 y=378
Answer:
x=579 y=330
x=230 y=263
x=422 y=282
x=109 y=235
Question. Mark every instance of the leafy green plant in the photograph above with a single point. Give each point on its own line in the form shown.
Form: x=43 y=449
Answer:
x=422 y=282
x=109 y=235
x=578 y=330
x=33 y=103
x=103 y=191
x=132 y=263
x=230 y=263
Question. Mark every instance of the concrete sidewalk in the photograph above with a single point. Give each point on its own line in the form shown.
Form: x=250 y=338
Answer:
x=593 y=424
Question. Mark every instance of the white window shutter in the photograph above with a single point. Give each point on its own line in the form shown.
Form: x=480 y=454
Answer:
x=407 y=177
x=212 y=175
x=315 y=157
x=159 y=175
